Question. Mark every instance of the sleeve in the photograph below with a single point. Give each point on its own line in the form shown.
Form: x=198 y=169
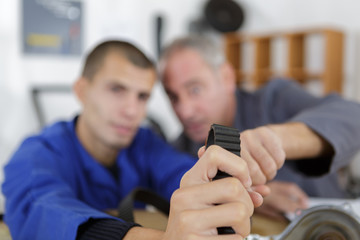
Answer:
x=332 y=117
x=104 y=229
x=40 y=204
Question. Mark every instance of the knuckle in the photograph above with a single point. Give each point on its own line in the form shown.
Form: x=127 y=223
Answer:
x=258 y=178
x=269 y=169
x=253 y=168
x=246 y=231
x=260 y=154
x=183 y=219
x=233 y=187
x=184 y=178
x=192 y=237
x=177 y=197
x=280 y=160
x=244 y=228
x=213 y=152
x=241 y=211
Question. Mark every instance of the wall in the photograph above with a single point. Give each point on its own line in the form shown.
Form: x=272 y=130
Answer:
x=134 y=19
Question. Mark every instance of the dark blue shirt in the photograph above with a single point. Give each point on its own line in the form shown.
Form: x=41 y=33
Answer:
x=52 y=184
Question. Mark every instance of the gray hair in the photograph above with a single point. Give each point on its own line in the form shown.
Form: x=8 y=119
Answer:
x=210 y=50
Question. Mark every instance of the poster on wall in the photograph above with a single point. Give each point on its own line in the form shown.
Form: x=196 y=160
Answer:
x=52 y=27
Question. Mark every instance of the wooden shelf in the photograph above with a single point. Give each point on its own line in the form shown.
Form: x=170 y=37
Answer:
x=331 y=75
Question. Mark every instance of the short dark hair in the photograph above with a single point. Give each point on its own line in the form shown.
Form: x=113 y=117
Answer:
x=94 y=60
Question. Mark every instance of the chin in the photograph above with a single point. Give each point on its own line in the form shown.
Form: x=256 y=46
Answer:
x=196 y=138
x=122 y=143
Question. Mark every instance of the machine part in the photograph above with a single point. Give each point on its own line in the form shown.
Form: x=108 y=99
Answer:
x=324 y=222
x=229 y=139
x=225 y=137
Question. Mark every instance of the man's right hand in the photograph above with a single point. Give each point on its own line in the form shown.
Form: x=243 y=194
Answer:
x=263 y=151
x=285 y=197
x=201 y=205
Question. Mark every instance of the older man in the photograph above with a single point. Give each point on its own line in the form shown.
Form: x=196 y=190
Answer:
x=277 y=120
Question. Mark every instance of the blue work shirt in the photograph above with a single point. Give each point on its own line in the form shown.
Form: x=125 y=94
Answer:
x=53 y=185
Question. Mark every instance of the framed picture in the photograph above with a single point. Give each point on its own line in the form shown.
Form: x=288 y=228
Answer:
x=52 y=27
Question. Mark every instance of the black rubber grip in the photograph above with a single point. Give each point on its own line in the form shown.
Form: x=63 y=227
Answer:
x=229 y=139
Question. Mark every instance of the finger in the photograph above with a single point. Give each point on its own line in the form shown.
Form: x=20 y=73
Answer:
x=264 y=190
x=216 y=158
x=256 y=174
x=258 y=142
x=296 y=194
x=221 y=191
x=274 y=146
x=201 y=151
x=226 y=215
x=281 y=201
x=256 y=198
x=285 y=204
x=265 y=161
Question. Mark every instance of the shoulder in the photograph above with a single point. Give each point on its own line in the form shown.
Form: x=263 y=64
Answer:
x=280 y=84
x=270 y=87
x=52 y=138
x=282 y=90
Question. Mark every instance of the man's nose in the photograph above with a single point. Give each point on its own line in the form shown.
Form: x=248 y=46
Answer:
x=131 y=107
x=185 y=109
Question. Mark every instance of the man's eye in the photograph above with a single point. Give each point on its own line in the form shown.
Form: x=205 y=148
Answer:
x=144 y=97
x=195 y=90
x=116 y=89
x=173 y=98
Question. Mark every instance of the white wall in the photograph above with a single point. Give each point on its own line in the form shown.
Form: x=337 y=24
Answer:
x=134 y=20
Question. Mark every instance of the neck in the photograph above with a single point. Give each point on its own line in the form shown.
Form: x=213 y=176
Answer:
x=102 y=153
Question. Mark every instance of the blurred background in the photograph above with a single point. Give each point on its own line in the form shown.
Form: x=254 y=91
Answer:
x=42 y=43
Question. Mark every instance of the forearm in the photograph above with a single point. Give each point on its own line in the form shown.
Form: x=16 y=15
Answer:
x=143 y=233
x=300 y=142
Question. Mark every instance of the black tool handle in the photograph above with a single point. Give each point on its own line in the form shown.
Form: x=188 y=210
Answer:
x=229 y=139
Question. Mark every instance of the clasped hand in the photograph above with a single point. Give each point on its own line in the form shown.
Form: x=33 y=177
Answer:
x=201 y=205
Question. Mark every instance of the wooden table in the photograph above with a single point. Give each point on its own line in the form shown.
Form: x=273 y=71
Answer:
x=266 y=226
x=260 y=225
x=4 y=231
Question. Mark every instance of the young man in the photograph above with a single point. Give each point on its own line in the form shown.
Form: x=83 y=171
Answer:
x=278 y=120
x=60 y=183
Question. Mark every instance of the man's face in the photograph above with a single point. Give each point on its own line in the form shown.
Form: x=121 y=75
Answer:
x=114 y=102
x=199 y=95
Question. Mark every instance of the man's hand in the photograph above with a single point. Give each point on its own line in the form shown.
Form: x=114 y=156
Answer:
x=285 y=197
x=201 y=205
x=262 y=149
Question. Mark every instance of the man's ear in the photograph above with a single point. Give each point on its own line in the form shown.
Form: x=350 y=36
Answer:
x=79 y=88
x=229 y=77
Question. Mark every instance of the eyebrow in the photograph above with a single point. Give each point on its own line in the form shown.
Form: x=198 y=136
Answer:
x=116 y=83
x=192 y=82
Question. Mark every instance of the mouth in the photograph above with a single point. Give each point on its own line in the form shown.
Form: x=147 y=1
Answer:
x=123 y=130
x=194 y=128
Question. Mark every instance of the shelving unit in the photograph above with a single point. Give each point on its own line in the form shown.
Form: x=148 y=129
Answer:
x=331 y=76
